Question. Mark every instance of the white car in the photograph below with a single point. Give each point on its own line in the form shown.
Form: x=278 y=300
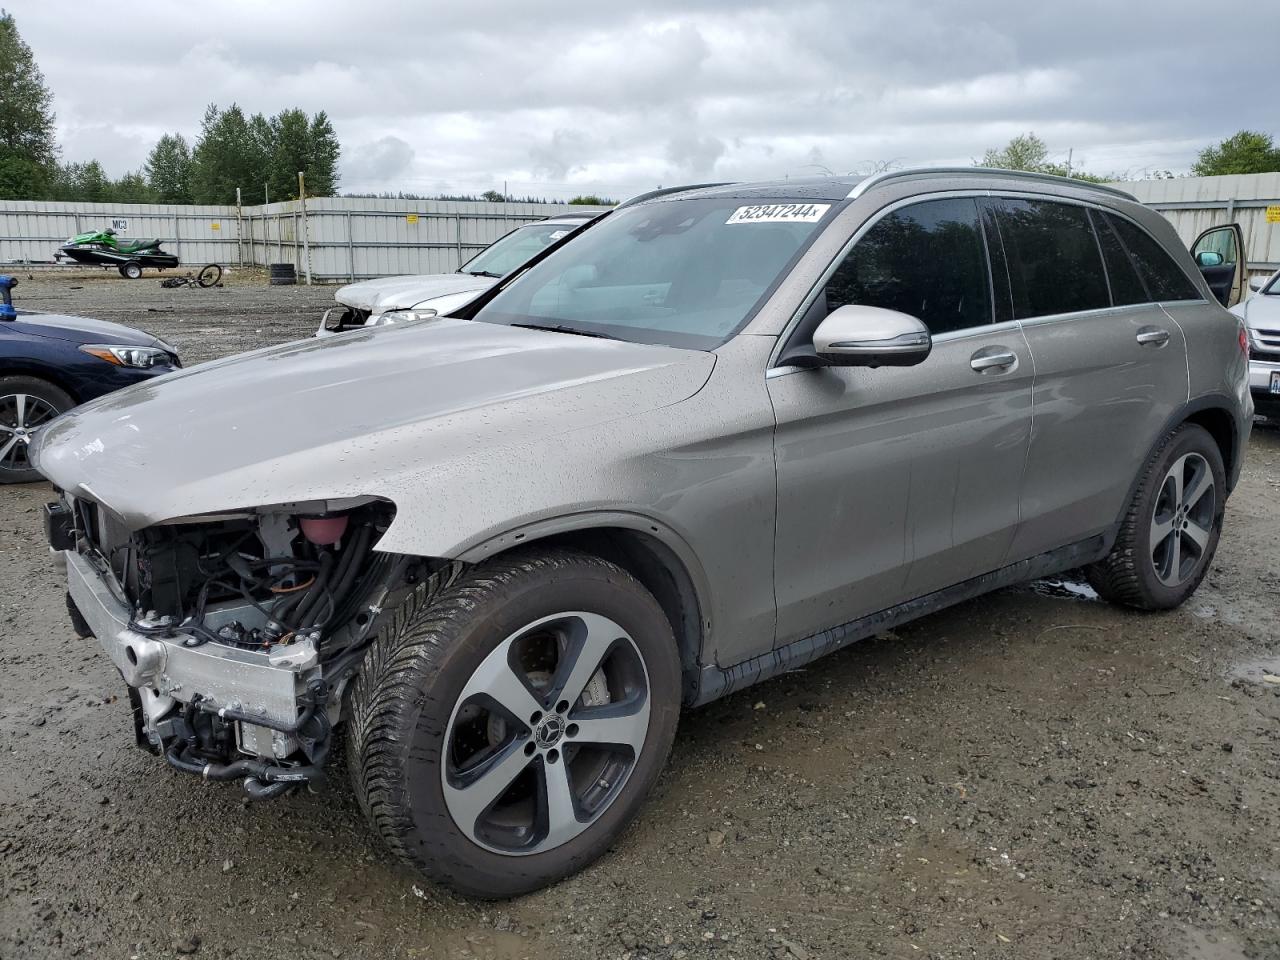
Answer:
x=388 y=299
x=1261 y=316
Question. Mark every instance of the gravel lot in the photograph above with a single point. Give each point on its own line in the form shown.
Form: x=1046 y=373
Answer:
x=1032 y=774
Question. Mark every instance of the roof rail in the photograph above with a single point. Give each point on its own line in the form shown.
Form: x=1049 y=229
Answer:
x=862 y=186
x=663 y=191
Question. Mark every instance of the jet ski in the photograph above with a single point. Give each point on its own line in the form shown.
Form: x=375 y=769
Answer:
x=104 y=248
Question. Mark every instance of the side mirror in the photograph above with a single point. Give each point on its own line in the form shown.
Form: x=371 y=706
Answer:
x=862 y=336
x=1257 y=283
x=1209 y=258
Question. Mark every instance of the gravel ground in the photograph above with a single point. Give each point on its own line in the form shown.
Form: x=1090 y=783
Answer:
x=1032 y=774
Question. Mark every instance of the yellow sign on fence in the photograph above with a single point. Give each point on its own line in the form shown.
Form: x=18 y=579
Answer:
x=413 y=217
x=215 y=226
x=1273 y=214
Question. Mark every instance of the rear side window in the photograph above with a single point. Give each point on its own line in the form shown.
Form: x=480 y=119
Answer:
x=927 y=260
x=1126 y=285
x=1164 y=278
x=1053 y=258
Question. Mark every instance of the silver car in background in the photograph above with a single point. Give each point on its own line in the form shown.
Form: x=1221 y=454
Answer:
x=396 y=299
x=1261 y=316
x=722 y=432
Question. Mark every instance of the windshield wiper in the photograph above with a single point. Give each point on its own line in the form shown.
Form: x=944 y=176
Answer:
x=563 y=328
x=482 y=273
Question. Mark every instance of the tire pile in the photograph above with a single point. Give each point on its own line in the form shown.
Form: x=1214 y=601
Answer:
x=283 y=275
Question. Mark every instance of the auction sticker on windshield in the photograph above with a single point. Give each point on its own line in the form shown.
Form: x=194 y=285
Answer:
x=780 y=213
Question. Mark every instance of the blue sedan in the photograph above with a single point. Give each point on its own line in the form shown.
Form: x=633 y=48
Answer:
x=49 y=363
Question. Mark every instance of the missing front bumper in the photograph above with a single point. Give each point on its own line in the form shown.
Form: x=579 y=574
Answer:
x=164 y=671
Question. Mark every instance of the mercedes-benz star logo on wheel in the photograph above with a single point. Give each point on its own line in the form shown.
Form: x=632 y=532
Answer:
x=549 y=732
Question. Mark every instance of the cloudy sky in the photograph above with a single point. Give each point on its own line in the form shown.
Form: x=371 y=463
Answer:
x=558 y=98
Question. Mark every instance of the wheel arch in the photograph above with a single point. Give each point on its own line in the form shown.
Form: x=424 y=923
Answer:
x=650 y=551
x=19 y=368
x=1221 y=425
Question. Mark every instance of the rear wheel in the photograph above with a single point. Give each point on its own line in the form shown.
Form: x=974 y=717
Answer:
x=1170 y=533
x=505 y=731
x=131 y=270
x=26 y=404
x=209 y=275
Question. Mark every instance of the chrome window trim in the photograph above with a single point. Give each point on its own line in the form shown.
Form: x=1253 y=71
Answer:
x=772 y=370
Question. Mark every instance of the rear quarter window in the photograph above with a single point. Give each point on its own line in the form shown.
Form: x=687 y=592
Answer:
x=1163 y=277
x=1126 y=286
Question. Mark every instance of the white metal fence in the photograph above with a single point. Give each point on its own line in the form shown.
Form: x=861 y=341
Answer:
x=350 y=238
x=346 y=238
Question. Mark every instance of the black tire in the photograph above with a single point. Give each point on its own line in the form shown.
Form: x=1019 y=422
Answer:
x=40 y=402
x=282 y=270
x=404 y=701
x=209 y=275
x=132 y=270
x=283 y=281
x=1137 y=574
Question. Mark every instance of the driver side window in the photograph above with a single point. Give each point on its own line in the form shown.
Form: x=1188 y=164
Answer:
x=927 y=260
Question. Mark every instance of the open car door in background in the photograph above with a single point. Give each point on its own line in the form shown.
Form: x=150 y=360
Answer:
x=1219 y=253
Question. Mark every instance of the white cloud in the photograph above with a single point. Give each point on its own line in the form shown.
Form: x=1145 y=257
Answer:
x=577 y=96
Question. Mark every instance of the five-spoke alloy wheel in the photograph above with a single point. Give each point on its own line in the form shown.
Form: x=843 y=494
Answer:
x=1170 y=531
x=1183 y=519
x=546 y=733
x=507 y=725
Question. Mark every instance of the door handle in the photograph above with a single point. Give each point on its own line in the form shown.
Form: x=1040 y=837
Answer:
x=982 y=361
x=1152 y=336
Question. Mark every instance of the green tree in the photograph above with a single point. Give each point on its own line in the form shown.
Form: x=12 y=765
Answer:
x=86 y=182
x=1245 y=152
x=322 y=162
x=591 y=200
x=134 y=188
x=229 y=153
x=1028 y=152
x=493 y=196
x=168 y=169
x=294 y=142
x=28 y=151
x=290 y=153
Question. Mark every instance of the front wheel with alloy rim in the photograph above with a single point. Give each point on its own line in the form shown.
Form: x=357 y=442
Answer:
x=505 y=727
x=26 y=404
x=1170 y=532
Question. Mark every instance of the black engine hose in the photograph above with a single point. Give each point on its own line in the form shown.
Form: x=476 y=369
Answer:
x=257 y=790
x=178 y=758
x=345 y=575
x=314 y=593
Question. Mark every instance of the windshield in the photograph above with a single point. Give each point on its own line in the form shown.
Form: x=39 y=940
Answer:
x=685 y=273
x=516 y=249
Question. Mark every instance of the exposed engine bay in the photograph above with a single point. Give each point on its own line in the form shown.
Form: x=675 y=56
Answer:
x=237 y=633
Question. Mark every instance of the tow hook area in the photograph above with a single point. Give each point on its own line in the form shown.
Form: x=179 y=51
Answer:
x=197 y=741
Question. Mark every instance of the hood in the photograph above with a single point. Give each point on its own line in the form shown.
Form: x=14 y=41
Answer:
x=401 y=293
x=376 y=412
x=81 y=330
x=1259 y=312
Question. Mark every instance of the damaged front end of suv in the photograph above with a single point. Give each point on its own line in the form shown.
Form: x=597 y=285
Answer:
x=236 y=633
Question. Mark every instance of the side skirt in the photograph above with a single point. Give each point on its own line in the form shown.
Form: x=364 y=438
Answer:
x=714 y=682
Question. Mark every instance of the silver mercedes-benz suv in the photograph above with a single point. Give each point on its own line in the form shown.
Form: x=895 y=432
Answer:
x=722 y=432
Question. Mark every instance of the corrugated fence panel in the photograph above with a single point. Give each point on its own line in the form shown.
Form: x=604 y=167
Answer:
x=355 y=238
x=349 y=238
